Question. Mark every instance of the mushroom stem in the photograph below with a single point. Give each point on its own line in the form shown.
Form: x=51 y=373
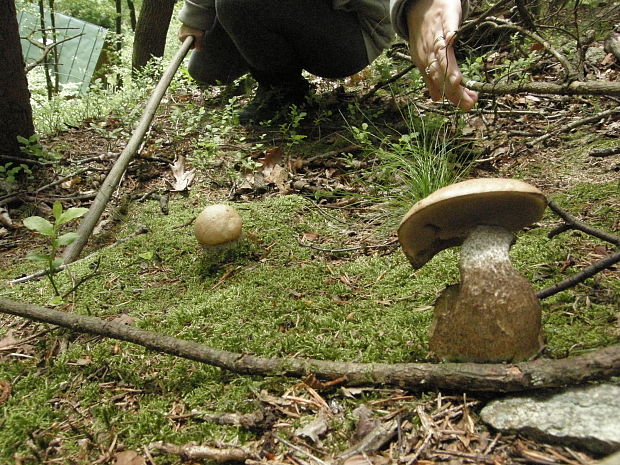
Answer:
x=486 y=248
x=493 y=315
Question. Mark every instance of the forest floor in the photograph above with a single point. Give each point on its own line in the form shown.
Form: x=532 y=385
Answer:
x=318 y=274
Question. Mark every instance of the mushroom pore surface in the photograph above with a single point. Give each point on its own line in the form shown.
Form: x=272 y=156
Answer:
x=446 y=217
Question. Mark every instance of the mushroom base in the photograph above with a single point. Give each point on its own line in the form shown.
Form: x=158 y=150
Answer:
x=493 y=315
x=466 y=331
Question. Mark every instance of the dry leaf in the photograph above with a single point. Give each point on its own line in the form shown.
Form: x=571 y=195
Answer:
x=129 y=457
x=310 y=237
x=182 y=178
x=5 y=219
x=8 y=341
x=279 y=177
x=315 y=429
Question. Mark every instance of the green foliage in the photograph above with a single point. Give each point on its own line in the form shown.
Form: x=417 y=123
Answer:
x=56 y=240
x=32 y=148
x=411 y=163
x=9 y=171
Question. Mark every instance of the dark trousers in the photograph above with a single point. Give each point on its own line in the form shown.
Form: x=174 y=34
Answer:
x=276 y=39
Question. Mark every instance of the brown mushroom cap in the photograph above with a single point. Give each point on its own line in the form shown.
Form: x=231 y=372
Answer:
x=446 y=217
x=217 y=224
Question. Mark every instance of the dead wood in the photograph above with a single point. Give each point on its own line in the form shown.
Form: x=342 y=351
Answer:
x=562 y=127
x=604 y=88
x=199 y=452
x=605 y=152
x=85 y=229
x=573 y=223
x=580 y=277
x=539 y=374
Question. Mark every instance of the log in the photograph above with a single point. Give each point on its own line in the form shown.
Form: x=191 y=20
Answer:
x=539 y=374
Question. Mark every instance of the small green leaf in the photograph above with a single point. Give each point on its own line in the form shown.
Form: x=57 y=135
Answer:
x=40 y=225
x=147 y=255
x=57 y=209
x=66 y=238
x=56 y=300
x=38 y=257
x=56 y=263
x=71 y=214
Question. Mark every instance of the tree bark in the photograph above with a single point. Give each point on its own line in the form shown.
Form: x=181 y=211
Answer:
x=15 y=109
x=462 y=377
x=151 y=31
x=603 y=88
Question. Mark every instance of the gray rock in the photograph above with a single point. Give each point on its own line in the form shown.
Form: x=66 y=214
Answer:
x=583 y=417
x=595 y=55
x=611 y=460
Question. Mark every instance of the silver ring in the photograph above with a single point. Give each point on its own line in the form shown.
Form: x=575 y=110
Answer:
x=427 y=70
x=438 y=38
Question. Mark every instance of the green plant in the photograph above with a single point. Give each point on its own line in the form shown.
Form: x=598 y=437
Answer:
x=412 y=161
x=31 y=147
x=56 y=240
x=8 y=172
x=290 y=129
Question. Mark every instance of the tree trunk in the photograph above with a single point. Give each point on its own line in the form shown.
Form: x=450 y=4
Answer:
x=151 y=31
x=15 y=109
x=132 y=14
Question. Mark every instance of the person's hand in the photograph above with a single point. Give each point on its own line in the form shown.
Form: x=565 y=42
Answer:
x=186 y=31
x=432 y=30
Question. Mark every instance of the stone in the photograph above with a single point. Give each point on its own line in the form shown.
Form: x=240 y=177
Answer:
x=586 y=418
x=611 y=460
x=595 y=55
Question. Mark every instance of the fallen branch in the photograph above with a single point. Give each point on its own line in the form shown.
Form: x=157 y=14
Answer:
x=605 y=152
x=580 y=277
x=538 y=374
x=576 y=124
x=573 y=223
x=197 y=452
x=115 y=175
x=604 y=88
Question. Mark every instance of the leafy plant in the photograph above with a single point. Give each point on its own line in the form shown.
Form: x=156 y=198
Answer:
x=32 y=148
x=9 y=172
x=413 y=161
x=56 y=240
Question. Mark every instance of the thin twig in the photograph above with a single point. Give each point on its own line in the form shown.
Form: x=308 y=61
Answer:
x=46 y=51
x=500 y=23
x=574 y=223
x=475 y=23
x=584 y=274
x=386 y=83
x=40 y=274
x=387 y=245
x=575 y=124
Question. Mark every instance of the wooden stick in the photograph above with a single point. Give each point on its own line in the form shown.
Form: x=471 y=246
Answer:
x=91 y=218
x=495 y=377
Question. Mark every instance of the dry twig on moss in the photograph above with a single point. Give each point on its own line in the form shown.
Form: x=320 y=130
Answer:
x=538 y=374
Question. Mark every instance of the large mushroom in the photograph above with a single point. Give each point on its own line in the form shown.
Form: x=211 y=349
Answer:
x=493 y=315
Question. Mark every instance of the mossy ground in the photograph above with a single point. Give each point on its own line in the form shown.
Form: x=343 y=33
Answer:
x=75 y=396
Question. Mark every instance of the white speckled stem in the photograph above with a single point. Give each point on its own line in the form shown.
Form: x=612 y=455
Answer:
x=487 y=247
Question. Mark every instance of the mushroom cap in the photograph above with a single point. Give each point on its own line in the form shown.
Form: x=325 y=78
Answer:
x=217 y=224
x=446 y=217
